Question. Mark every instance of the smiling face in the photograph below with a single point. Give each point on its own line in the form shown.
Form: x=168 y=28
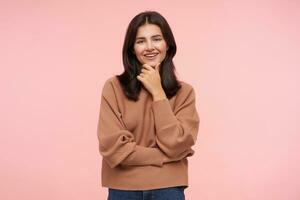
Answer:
x=150 y=47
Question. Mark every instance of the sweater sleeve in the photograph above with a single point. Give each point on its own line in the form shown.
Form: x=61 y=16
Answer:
x=116 y=144
x=176 y=131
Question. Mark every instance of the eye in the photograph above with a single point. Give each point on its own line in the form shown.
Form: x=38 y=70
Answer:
x=140 y=41
x=157 y=39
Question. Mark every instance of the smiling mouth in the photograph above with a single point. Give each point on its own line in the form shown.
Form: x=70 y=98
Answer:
x=150 y=56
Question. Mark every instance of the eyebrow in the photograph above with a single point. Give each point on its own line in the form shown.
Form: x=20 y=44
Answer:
x=151 y=36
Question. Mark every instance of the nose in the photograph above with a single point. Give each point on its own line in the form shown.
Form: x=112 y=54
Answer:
x=149 y=46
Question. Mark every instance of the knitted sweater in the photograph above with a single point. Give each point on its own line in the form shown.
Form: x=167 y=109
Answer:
x=145 y=144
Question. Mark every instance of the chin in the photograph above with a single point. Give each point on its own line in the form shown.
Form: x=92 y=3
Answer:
x=152 y=63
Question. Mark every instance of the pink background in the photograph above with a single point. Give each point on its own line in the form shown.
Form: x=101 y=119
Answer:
x=242 y=57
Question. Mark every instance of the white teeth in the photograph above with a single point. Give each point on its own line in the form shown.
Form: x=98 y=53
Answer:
x=150 y=55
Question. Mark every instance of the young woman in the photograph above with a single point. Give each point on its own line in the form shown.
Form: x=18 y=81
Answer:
x=148 y=120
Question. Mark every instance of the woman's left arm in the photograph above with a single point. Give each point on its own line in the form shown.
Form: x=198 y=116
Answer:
x=176 y=132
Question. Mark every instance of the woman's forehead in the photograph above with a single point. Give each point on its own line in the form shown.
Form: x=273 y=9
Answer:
x=148 y=30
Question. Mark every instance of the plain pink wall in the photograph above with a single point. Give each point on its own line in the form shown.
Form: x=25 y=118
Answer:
x=242 y=57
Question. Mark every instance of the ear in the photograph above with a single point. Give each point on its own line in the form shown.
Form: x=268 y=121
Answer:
x=132 y=50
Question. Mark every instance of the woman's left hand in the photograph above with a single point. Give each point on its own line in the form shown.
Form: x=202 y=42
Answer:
x=151 y=79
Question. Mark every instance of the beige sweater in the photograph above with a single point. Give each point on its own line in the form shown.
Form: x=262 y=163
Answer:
x=145 y=144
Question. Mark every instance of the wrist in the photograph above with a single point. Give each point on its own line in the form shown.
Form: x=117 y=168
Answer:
x=159 y=96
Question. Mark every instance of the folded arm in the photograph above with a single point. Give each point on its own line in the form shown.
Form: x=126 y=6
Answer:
x=117 y=145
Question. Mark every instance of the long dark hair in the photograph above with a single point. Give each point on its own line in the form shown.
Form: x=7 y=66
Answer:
x=130 y=84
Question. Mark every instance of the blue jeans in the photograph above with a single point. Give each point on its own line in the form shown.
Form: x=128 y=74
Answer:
x=171 y=193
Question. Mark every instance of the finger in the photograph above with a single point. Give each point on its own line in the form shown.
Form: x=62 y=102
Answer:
x=142 y=75
x=145 y=71
x=139 y=77
x=148 y=67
